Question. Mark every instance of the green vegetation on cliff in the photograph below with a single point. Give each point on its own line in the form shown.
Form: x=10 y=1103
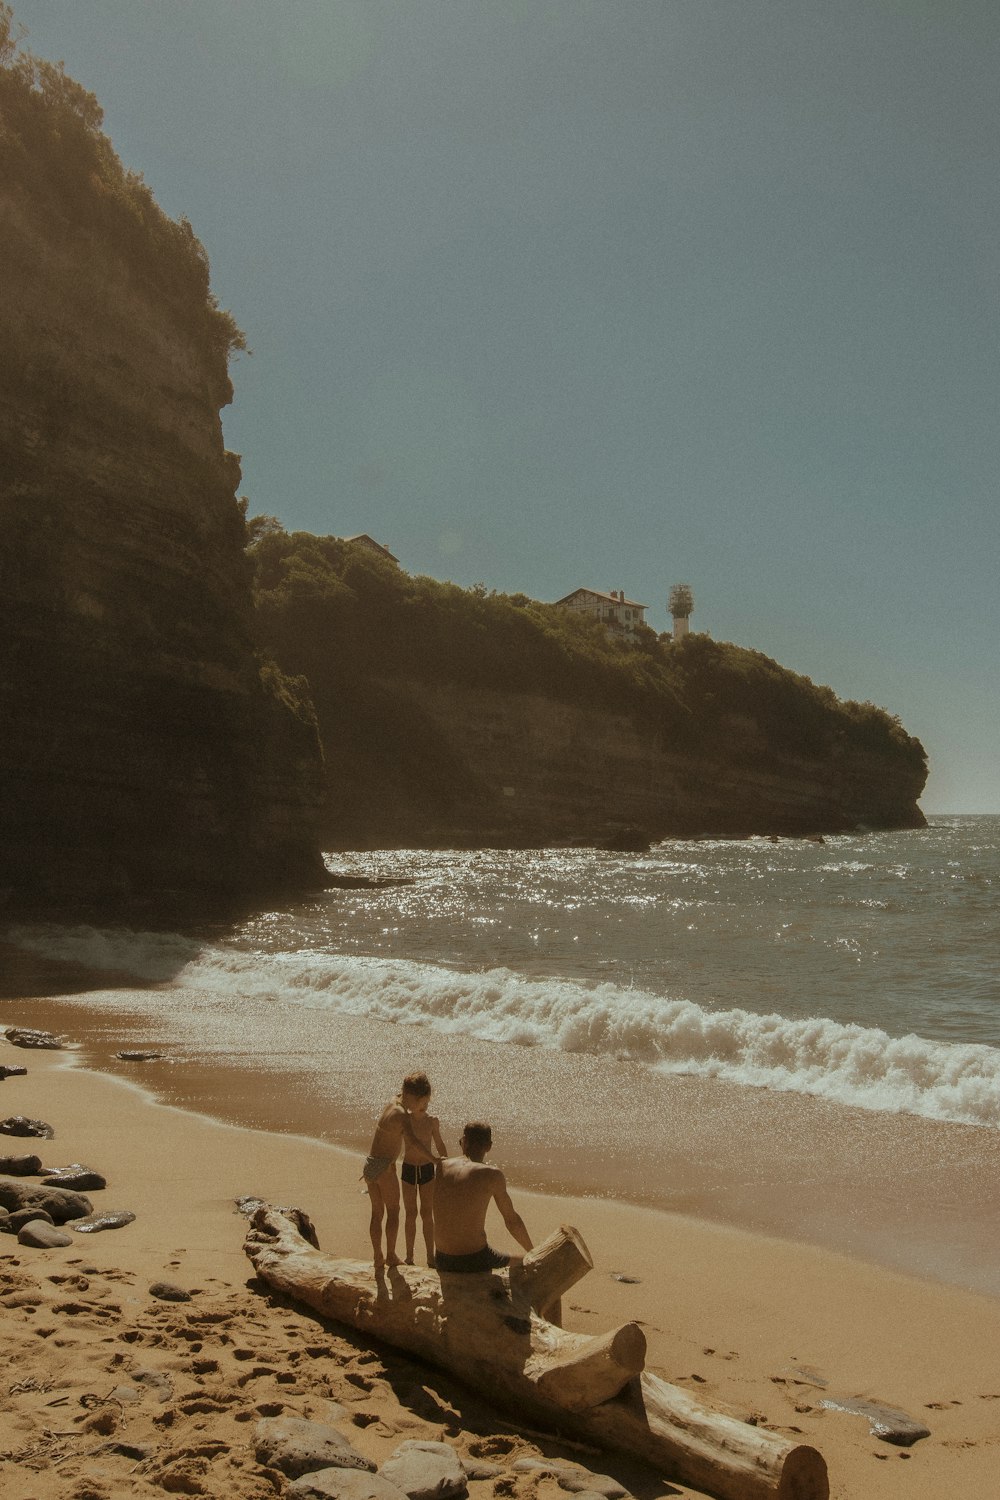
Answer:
x=341 y=616
x=52 y=148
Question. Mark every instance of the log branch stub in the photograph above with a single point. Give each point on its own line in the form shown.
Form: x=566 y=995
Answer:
x=581 y=1378
x=552 y=1267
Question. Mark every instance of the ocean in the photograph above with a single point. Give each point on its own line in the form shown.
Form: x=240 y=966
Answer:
x=800 y=1038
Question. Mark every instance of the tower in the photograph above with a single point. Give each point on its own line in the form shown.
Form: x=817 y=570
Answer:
x=681 y=606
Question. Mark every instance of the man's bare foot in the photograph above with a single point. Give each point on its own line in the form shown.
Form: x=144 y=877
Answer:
x=393 y=1260
x=431 y=1262
x=408 y=1261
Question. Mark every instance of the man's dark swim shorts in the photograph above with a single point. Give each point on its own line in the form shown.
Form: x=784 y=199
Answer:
x=416 y=1174
x=485 y=1259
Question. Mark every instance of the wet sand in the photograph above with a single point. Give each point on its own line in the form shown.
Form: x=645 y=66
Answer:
x=916 y=1195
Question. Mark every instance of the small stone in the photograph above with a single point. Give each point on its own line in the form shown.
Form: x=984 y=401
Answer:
x=19 y=1216
x=628 y=1280
x=81 y=1179
x=425 y=1470
x=885 y=1422
x=574 y=1481
x=21 y=1125
x=139 y=1056
x=167 y=1291
x=156 y=1381
x=6 y=1072
x=110 y=1218
x=296 y=1446
x=137 y=1452
x=20 y=1166
x=41 y=1234
x=27 y=1036
x=478 y=1468
x=342 y=1484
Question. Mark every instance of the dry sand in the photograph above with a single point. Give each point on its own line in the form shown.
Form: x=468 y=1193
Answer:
x=759 y=1327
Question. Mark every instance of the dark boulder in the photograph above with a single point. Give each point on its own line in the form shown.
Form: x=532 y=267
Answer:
x=21 y=1216
x=12 y=1072
x=167 y=1291
x=21 y=1125
x=59 y=1203
x=20 y=1166
x=40 y=1234
x=81 y=1179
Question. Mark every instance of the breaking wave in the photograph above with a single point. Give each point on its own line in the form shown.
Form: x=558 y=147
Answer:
x=850 y=1064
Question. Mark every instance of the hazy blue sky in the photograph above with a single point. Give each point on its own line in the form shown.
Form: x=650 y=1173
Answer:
x=613 y=292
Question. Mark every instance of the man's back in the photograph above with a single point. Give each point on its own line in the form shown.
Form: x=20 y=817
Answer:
x=463 y=1192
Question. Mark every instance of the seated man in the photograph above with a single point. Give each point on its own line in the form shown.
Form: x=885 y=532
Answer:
x=465 y=1187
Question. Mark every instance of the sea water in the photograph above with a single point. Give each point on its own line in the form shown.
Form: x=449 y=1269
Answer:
x=800 y=1036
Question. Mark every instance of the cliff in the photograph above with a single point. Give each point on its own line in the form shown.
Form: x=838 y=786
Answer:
x=462 y=767
x=142 y=749
x=457 y=717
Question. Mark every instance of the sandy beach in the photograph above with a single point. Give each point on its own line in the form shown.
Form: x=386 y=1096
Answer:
x=759 y=1327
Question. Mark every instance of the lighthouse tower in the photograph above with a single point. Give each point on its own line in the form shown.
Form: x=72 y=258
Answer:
x=681 y=606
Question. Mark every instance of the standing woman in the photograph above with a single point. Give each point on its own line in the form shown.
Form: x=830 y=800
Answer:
x=379 y=1172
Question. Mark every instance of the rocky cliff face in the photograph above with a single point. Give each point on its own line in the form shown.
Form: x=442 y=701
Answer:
x=522 y=769
x=140 y=749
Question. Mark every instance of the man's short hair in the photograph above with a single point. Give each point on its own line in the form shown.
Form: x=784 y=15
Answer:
x=417 y=1085
x=477 y=1134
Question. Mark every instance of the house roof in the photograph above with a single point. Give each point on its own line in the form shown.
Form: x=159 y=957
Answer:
x=608 y=598
x=363 y=536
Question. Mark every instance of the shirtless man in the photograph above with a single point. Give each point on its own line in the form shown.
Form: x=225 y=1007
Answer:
x=465 y=1187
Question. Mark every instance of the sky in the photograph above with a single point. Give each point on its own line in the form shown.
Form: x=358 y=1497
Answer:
x=613 y=293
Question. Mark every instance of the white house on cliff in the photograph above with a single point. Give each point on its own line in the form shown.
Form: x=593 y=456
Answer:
x=613 y=609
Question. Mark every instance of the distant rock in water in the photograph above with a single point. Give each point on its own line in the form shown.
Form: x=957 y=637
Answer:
x=145 y=749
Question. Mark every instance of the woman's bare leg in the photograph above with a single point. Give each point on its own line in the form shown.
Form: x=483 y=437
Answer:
x=389 y=1184
x=375 y=1223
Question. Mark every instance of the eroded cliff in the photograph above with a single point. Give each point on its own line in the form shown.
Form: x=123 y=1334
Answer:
x=141 y=750
x=463 y=716
x=481 y=766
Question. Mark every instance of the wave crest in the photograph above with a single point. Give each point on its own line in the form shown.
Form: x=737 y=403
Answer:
x=849 y=1064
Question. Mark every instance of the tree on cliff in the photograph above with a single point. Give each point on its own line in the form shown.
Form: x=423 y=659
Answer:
x=52 y=145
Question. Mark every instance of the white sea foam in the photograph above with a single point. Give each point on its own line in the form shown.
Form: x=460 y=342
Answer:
x=850 y=1064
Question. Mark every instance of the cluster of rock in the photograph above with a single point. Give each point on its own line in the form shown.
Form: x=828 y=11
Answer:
x=323 y=1465
x=35 y=1212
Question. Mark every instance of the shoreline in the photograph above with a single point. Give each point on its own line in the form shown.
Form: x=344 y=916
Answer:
x=902 y=1191
x=757 y=1326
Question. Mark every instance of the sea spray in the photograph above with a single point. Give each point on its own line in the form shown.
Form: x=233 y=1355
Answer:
x=846 y=1063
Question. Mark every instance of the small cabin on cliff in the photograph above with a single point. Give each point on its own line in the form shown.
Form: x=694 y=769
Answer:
x=613 y=610
x=371 y=545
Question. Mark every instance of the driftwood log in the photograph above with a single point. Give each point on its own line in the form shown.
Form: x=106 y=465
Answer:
x=489 y=1331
